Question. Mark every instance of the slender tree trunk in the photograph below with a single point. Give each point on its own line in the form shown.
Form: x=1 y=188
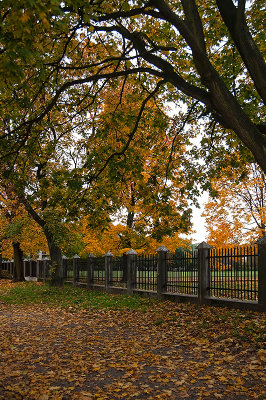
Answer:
x=56 y=259
x=130 y=220
x=18 y=261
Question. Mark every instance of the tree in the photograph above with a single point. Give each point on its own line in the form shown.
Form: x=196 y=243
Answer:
x=209 y=52
x=59 y=58
x=236 y=213
x=36 y=181
x=62 y=175
x=148 y=186
x=99 y=242
x=18 y=234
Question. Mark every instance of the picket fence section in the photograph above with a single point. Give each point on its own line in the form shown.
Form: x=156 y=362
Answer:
x=232 y=277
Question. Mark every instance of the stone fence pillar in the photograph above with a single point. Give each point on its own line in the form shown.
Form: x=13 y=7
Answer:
x=90 y=261
x=46 y=268
x=161 y=270
x=262 y=272
x=38 y=268
x=64 y=264
x=131 y=270
x=204 y=271
x=25 y=267
x=108 y=257
x=75 y=269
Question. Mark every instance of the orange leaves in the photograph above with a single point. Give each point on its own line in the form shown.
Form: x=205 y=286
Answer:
x=99 y=243
x=237 y=215
x=116 y=354
x=262 y=355
x=16 y=225
x=24 y=18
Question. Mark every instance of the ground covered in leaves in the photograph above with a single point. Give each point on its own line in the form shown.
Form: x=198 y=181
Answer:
x=73 y=344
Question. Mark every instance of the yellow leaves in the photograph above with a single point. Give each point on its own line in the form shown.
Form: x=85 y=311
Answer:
x=262 y=355
x=96 y=367
x=100 y=354
x=180 y=383
x=55 y=388
x=229 y=358
x=99 y=243
x=16 y=225
x=222 y=378
x=24 y=18
x=43 y=397
x=46 y=23
x=236 y=208
x=218 y=395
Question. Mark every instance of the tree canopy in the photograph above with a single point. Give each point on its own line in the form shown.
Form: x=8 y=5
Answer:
x=74 y=72
x=236 y=212
x=62 y=54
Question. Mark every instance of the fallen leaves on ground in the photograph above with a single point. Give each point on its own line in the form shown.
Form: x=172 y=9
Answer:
x=166 y=351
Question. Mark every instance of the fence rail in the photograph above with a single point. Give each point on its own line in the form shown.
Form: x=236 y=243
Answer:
x=146 y=272
x=119 y=272
x=205 y=275
x=182 y=273
x=234 y=273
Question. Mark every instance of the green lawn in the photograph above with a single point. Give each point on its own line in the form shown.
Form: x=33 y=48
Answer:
x=68 y=296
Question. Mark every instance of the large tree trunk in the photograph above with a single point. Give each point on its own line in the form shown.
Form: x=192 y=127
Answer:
x=55 y=251
x=18 y=261
x=56 y=260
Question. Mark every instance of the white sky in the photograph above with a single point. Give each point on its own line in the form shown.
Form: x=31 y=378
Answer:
x=198 y=221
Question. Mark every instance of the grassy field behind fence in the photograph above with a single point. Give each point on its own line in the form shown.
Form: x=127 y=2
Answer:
x=223 y=283
x=175 y=274
x=239 y=284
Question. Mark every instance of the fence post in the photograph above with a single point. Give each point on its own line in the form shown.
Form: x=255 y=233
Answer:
x=90 y=270
x=38 y=269
x=75 y=269
x=131 y=270
x=161 y=269
x=204 y=271
x=108 y=268
x=30 y=261
x=44 y=269
x=262 y=272
x=64 y=263
x=46 y=273
x=24 y=267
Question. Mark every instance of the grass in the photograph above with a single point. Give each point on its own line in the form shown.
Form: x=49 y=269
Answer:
x=69 y=296
x=172 y=275
x=181 y=350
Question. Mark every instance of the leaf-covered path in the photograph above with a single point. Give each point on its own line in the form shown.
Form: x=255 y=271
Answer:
x=165 y=351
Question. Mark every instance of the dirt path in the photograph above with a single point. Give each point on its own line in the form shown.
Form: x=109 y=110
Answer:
x=168 y=354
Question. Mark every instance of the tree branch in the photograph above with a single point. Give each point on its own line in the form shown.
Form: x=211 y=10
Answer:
x=131 y=136
x=234 y=19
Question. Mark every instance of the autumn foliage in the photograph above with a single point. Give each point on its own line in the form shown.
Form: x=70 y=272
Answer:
x=74 y=344
x=236 y=213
